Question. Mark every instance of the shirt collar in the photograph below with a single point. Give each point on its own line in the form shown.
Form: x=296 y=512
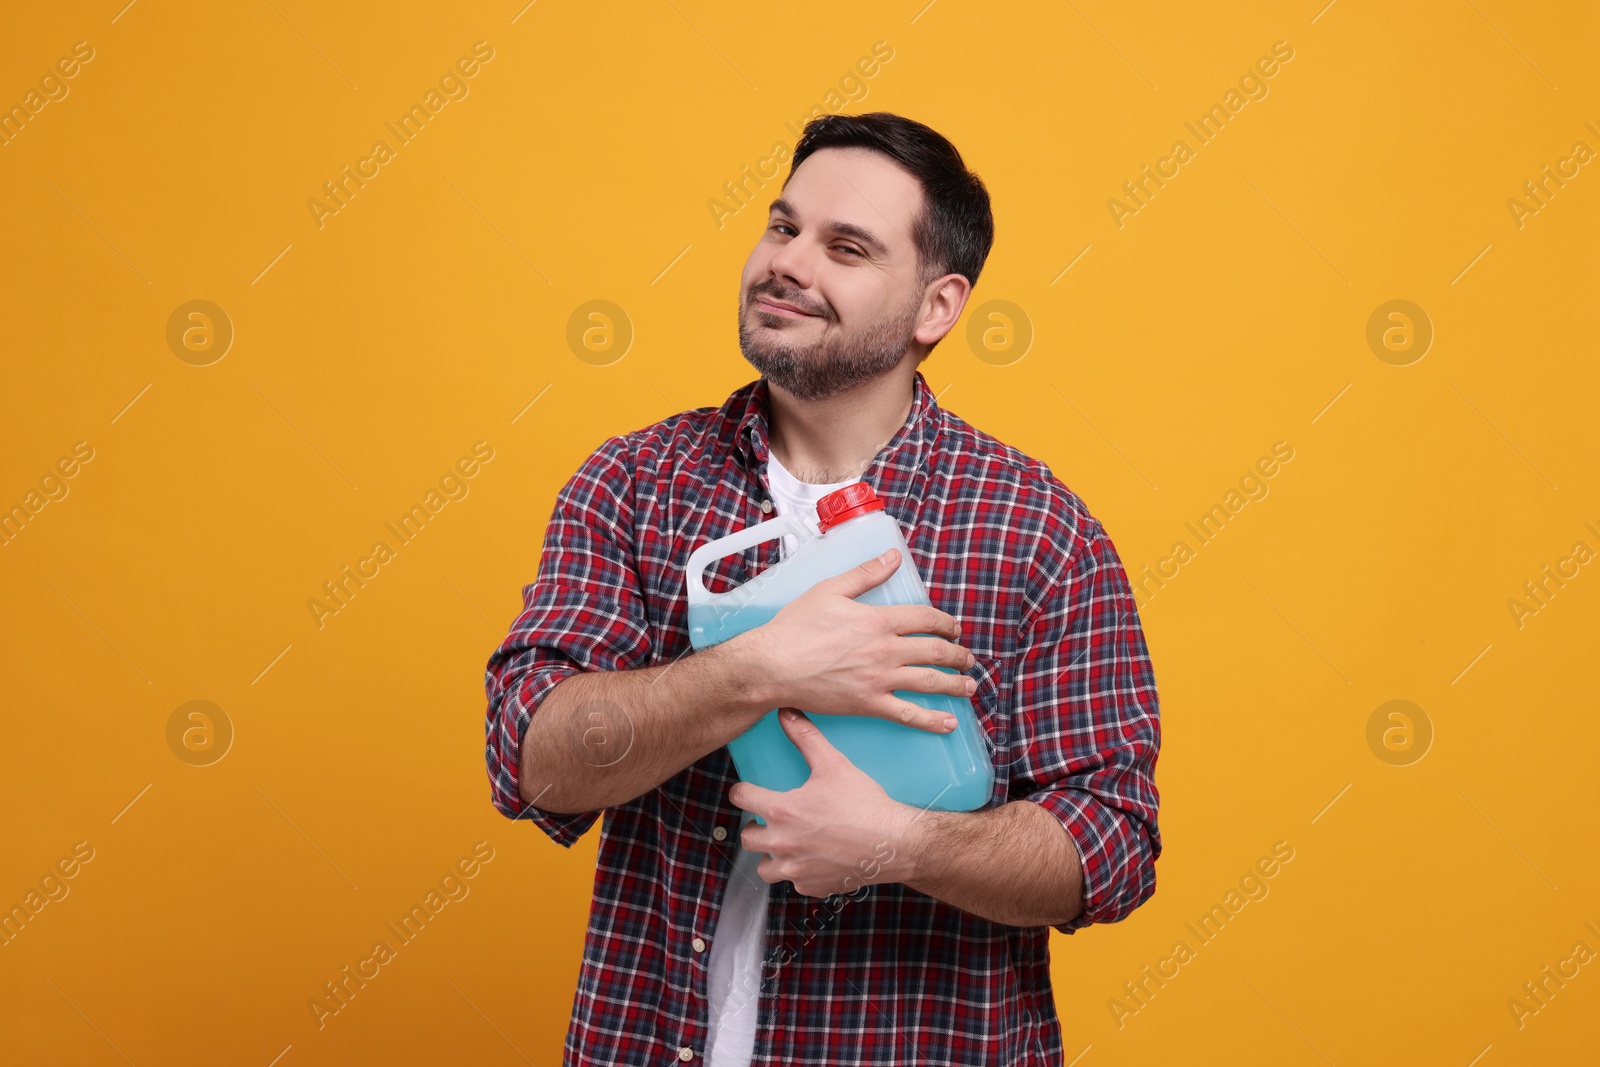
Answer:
x=907 y=449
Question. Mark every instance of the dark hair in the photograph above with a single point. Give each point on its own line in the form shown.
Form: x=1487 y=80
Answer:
x=955 y=230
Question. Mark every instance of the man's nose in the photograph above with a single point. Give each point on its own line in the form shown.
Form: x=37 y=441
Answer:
x=793 y=262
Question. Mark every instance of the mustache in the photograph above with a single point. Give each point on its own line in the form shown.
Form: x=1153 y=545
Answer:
x=787 y=298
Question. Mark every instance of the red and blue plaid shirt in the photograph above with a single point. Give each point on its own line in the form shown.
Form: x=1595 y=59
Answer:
x=1065 y=694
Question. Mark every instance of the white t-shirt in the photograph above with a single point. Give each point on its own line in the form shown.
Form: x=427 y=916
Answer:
x=733 y=979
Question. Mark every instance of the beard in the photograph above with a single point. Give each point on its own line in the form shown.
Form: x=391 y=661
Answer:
x=836 y=363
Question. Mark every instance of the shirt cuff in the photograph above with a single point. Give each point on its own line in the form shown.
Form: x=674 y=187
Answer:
x=1097 y=835
x=518 y=710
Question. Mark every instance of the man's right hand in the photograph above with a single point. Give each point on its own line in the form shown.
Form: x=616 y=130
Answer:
x=828 y=652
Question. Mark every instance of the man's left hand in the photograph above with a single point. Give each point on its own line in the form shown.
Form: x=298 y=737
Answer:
x=834 y=834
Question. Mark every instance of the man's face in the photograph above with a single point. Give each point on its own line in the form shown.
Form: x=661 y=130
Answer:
x=837 y=247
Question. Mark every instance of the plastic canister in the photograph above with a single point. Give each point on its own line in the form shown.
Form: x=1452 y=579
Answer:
x=941 y=772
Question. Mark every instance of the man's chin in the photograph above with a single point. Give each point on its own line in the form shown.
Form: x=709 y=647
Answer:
x=781 y=373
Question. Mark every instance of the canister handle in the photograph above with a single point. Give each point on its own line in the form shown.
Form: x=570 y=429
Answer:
x=711 y=551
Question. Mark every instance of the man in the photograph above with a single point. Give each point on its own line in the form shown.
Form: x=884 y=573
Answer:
x=850 y=928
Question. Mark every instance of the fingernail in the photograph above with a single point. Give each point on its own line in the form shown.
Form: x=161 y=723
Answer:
x=949 y=722
x=885 y=557
x=972 y=686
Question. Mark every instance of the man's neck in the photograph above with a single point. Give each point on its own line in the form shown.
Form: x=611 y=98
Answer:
x=835 y=440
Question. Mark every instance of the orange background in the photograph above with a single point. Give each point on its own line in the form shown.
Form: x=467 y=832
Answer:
x=372 y=351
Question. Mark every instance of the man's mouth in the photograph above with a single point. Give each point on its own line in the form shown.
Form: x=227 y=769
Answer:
x=778 y=307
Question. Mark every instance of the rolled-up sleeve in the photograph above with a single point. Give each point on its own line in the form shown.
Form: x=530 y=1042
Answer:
x=584 y=612
x=1088 y=721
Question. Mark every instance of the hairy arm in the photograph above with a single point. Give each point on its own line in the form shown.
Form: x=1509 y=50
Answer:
x=601 y=738
x=1013 y=864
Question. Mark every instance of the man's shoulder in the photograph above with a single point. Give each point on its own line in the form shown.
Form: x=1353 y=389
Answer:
x=698 y=432
x=1017 y=483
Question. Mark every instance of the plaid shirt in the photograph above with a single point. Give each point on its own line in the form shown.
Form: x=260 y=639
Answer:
x=1065 y=694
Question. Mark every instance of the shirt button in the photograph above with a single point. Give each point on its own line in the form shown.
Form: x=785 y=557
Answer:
x=766 y=507
x=699 y=944
x=719 y=833
x=686 y=1054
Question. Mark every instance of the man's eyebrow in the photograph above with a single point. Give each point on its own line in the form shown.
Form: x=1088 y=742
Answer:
x=848 y=229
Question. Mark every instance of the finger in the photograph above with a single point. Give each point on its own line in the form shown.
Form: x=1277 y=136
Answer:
x=857 y=580
x=938 y=652
x=921 y=620
x=818 y=751
x=755 y=837
x=915 y=715
x=747 y=796
x=921 y=678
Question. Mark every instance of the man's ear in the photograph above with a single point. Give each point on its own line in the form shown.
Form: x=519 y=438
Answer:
x=946 y=298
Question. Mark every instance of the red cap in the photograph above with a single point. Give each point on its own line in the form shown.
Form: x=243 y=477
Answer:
x=846 y=503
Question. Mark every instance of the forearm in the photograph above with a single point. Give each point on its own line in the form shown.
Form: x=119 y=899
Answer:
x=1014 y=864
x=602 y=738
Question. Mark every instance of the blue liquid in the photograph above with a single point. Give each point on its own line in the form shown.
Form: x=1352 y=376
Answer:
x=938 y=772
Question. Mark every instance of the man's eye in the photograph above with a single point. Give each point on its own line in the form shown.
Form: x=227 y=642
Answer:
x=782 y=226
